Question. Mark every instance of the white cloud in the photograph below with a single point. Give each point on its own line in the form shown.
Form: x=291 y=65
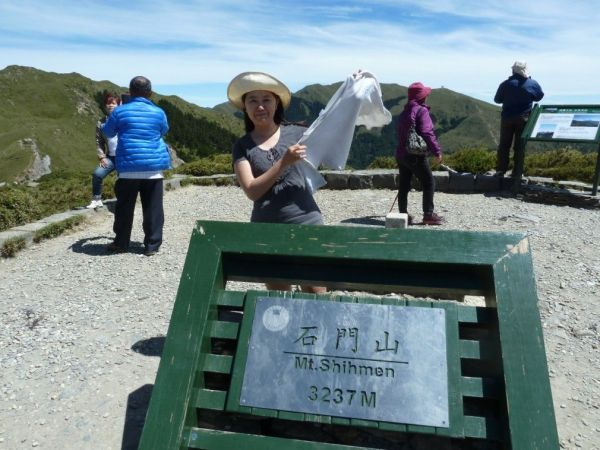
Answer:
x=467 y=46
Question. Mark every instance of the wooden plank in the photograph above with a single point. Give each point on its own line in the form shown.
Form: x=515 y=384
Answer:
x=483 y=428
x=237 y=377
x=470 y=314
x=287 y=415
x=231 y=298
x=205 y=439
x=201 y=278
x=481 y=387
x=528 y=395
x=455 y=401
x=224 y=330
x=217 y=363
x=367 y=244
x=209 y=399
x=478 y=350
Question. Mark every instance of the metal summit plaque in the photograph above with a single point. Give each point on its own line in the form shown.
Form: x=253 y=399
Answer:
x=366 y=361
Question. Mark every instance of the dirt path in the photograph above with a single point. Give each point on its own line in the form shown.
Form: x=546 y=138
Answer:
x=81 y=331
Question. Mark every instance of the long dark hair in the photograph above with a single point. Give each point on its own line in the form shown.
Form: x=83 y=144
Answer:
x=278 y=117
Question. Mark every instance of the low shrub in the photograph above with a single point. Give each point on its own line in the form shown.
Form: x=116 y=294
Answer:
x=211 y=165
x=12 y=246
x=564 y=164
x=383 y=162
x=18 y=205
x=58 y=228
x=472 y=160
x=56 y=192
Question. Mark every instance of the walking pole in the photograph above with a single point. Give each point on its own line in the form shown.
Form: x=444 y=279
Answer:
x=394 y=202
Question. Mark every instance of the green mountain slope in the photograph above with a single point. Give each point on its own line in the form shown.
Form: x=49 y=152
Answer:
x=56 y=114
x=461 y=121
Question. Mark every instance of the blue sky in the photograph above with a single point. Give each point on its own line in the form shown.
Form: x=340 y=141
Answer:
x=193 y=48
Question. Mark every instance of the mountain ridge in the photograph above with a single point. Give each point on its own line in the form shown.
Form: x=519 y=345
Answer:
x=57 y=113
x=460 y=121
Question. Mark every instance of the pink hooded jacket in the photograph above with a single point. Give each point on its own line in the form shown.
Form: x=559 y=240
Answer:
x=418 y=114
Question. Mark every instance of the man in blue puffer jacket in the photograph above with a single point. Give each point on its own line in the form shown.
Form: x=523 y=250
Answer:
x=517 y=95
x=141 y=157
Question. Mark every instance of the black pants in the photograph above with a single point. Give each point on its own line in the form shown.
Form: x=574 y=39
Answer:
x=510 y=135
x=419 y=166
x=151 y=195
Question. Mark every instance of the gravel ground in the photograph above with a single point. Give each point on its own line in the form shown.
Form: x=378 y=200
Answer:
x=80 y=330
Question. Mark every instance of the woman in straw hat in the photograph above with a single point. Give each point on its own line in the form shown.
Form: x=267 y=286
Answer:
x=265 y=158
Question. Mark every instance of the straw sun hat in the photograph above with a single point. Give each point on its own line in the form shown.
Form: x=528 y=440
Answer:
x=256 y=81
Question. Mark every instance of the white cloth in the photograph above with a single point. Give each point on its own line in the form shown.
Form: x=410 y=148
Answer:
x=357 y=102
x=112 y=145
x=141 y=175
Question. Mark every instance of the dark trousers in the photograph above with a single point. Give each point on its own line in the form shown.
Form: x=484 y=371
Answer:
x=151 y=195
x=419 y=166
x=510 y=135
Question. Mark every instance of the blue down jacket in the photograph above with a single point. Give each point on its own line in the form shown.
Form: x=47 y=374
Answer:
x=140 y=125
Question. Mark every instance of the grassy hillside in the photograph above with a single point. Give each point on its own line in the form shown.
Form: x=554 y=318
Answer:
x=460 y=121
x=58 y=114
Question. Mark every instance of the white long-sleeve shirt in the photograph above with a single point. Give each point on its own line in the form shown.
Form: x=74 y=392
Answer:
x=357 y=102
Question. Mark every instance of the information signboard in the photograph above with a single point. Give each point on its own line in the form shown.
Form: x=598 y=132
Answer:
x=562 y=123
x=568 y=123
x=367 y=361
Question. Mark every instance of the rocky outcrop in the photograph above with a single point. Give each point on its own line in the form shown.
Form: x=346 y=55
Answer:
x=39 y=166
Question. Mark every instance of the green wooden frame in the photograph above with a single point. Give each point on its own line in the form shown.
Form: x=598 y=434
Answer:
x=423 y=263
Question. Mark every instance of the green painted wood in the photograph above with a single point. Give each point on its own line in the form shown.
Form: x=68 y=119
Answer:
x=470 y=314
x=481 y=387
x=206 y=439
x=235 y=390
x=528 y=396
x=422 y=262
x=231 y=298
x=287 y=415
x=317 y=418
x=209 y=399
x=484 y=428
x=455 y=400
x=478 y=349
x=263 y=412
x=224 y=330
x=217 y=363
x=172 y=392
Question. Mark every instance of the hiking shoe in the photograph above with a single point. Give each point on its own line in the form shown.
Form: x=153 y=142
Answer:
x=432 y=219
x=114 y=248
x=150 y=252
x=95 y=204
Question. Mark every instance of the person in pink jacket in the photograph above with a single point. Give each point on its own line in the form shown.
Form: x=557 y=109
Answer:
x=416 y=114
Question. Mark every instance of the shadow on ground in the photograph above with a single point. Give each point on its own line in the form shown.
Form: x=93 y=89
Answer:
x=135 y=415
x=96 y=246
x=149 y=347
x=139 y=400
x=367 y=220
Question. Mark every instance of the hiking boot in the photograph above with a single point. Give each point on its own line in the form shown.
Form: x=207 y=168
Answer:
x=432 y=219
x=95 y=204
x=113 y=248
